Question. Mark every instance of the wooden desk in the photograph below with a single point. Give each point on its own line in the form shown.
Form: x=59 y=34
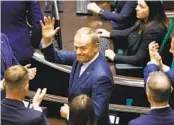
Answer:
x=71 y=22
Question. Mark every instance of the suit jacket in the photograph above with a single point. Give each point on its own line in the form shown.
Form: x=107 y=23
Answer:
x=137 y=51
x=13 y=112
x=152 y=67
x=7 y=57
x=96 y=81
x=164 y=116
x=124 y=15
x=14 y=17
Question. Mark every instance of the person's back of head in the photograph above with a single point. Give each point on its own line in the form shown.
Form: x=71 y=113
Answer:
x=158 y=89
x=81 y=111
x=16 y=82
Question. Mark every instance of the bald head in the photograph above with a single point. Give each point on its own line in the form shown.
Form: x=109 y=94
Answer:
x=159 y=87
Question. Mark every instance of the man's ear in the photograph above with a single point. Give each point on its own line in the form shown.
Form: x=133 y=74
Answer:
x=26 y=87
x=97 y=47
x=3 y=84
x=148 y=96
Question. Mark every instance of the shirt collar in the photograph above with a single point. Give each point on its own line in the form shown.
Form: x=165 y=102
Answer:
x=161 y=107
x=93 y=59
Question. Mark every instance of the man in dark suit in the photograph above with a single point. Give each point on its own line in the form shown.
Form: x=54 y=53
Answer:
x=156 y=63
x=158 y=90
x=14 y=18
x=90 y=73
x=123 y=16
x=8 y=59
x=13 y=110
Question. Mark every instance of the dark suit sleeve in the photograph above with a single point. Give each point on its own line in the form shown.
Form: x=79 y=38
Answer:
x=101 y=92
x=131 y=123
x=152 y=68
x=142 y=54
x=127 y=11
x=34 y=16
x=54 y=55
x=43 y=120
x=15 y=61
x=6 y=42
x=122 y=33
x=147 y=70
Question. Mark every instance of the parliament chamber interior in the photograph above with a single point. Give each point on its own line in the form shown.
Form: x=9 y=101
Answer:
x=128 y=99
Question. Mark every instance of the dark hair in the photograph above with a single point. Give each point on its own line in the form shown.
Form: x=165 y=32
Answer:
x=156 y=15
x=81 y=111
x=159 y=86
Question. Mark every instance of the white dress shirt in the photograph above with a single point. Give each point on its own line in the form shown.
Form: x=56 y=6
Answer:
x=85 y=65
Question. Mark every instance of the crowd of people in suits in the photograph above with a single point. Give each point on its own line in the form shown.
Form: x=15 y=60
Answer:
x=91 y=80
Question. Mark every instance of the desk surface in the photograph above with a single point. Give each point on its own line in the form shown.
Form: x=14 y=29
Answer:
x=70 y=22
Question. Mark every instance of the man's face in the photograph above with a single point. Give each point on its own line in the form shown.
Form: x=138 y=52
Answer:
x=172 y=47
x=84 y=49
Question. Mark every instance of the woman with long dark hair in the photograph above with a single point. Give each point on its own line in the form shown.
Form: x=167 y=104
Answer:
x=151 y=26
x=81 y=111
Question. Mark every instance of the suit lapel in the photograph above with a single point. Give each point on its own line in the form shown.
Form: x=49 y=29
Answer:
x=77 y=81
x=74 y=76
x=3 y=58
x=80 y=80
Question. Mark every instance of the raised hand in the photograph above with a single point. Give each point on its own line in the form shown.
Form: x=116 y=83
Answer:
x=154 y=55
x=31 y=71
x=48 y=30
x=110 y=54
x=38 y=97
x=64 y=111
x=94 y=8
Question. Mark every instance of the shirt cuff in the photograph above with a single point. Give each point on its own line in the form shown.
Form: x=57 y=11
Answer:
x=165 y=68
x=44 y=46
x=37 y=108
x=150 y=62
x=67 y=116
x=1 y=85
